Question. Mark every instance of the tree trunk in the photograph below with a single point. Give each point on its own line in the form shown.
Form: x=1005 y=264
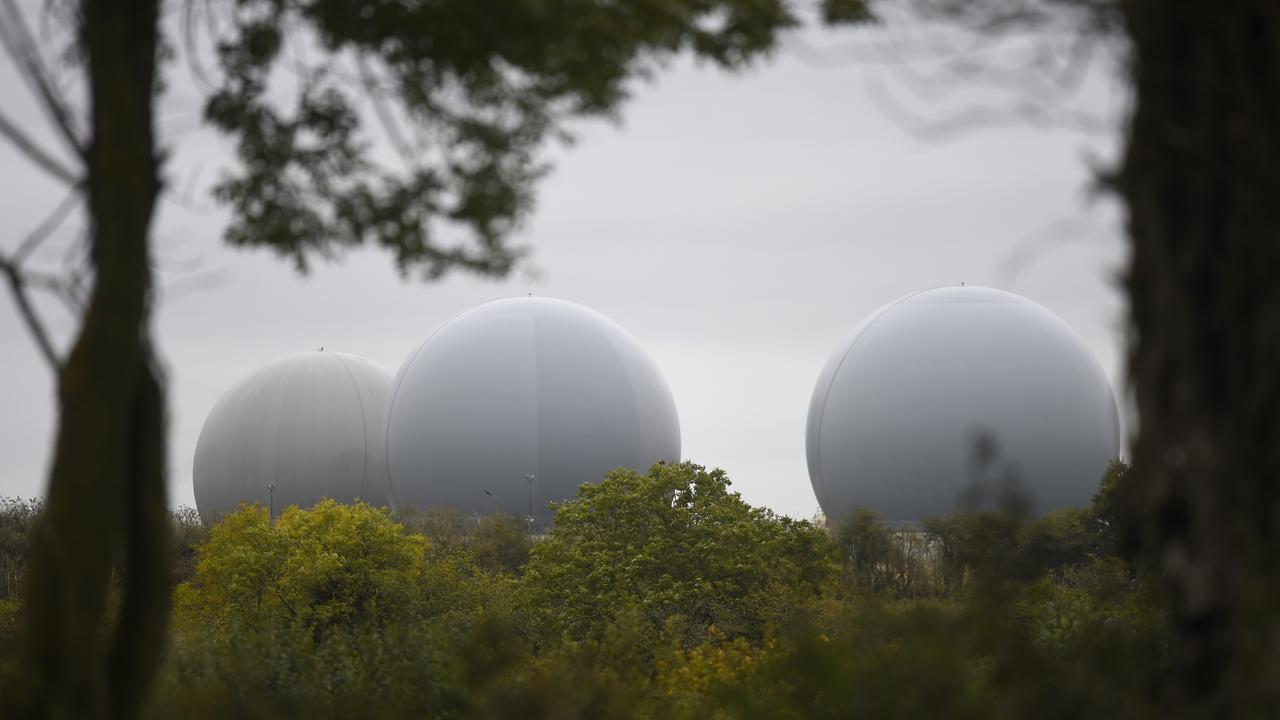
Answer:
x=105 y=502
x=1201 y=179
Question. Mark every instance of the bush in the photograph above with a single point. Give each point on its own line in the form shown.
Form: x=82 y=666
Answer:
x=17 y=516
x=673 y=544
x=332 y=565
x=188 y=533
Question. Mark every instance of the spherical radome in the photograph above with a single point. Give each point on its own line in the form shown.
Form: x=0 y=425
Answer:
x=908 y=406
x=309 y=424
x=524 y=387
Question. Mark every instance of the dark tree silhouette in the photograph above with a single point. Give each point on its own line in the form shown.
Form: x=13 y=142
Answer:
x=1199 y=179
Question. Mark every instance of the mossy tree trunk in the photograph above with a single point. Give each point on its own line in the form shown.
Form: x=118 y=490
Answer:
x=1201 y=179
x=106 y=506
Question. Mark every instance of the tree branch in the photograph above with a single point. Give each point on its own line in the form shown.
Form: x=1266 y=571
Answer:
x=46 y=227
x=44 y=160
x=191 y=46
x=59 y=287
x=17 y=41
x=383 y=112
x=11 y=267
x=17 y=287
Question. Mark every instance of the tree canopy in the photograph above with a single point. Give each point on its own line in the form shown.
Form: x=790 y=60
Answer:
x=331 y=565
x=466 y=93
x=674 y=543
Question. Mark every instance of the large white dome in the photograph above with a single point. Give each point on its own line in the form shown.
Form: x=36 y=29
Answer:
x=524 y=387
x=925 y=386
x=309 y=424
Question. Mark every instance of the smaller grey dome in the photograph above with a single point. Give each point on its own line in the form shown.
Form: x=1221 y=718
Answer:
x=309 y=424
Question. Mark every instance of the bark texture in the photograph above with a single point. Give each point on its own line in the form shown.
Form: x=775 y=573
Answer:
x=1201 y=179
x=105 y=505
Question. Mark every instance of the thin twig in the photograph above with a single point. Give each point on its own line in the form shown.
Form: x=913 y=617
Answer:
x=1033 y=246
x=383 y=112
x=46 y=227
x=191 y=284
x=17 y=287
x=20 y=45
x=191 y=42
x=59 y=288
x=35 y=153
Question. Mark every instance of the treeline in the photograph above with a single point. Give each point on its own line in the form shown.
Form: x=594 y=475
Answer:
x=658 y=595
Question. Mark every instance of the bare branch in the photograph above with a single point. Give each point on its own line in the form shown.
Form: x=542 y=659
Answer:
x=18 y=42
x=191 y=284
x=20 y=280
x=1060 y=233
x=383 y=112
x=17 y=287
x=981 y=117
x=59 y=287
x=191 y=44
x=977 y=64
x=78 y=285
x=46 y=227
x=187 y=199
x=43 y=159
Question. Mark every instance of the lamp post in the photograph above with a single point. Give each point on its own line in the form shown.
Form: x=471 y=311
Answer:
x=271 y=500
x=529 y=479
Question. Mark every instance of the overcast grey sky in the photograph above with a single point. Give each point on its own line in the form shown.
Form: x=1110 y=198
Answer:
x=738 y=226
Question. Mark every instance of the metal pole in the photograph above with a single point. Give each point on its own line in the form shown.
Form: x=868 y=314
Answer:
x=529 y=479
x=271 y=495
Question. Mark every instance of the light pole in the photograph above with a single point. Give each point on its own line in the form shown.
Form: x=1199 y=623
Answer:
x=529 y=479
x=271 y=500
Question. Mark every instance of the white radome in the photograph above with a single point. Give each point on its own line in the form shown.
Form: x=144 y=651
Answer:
x=309 y=424
x=907 y=407
x=515 y=403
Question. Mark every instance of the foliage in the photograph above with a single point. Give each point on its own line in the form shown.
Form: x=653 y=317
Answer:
x=866 y=545
x=9 y=610
x=445 y=528
x=501 y=543
x=188 y=533
x=604 y=677
x=693 y=681
x=874 y=661
x=347 y=611
x=332 y=565
x=1108 y=510
x=495 y=543
x=319 y=613
x=282 y=671
x=467 y=93
x=17 y=516
x=674 y=544
x=1008 y=545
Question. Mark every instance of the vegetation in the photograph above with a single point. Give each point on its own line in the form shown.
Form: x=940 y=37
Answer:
x=676 y=548
x=480 y=88
x=658 y=595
